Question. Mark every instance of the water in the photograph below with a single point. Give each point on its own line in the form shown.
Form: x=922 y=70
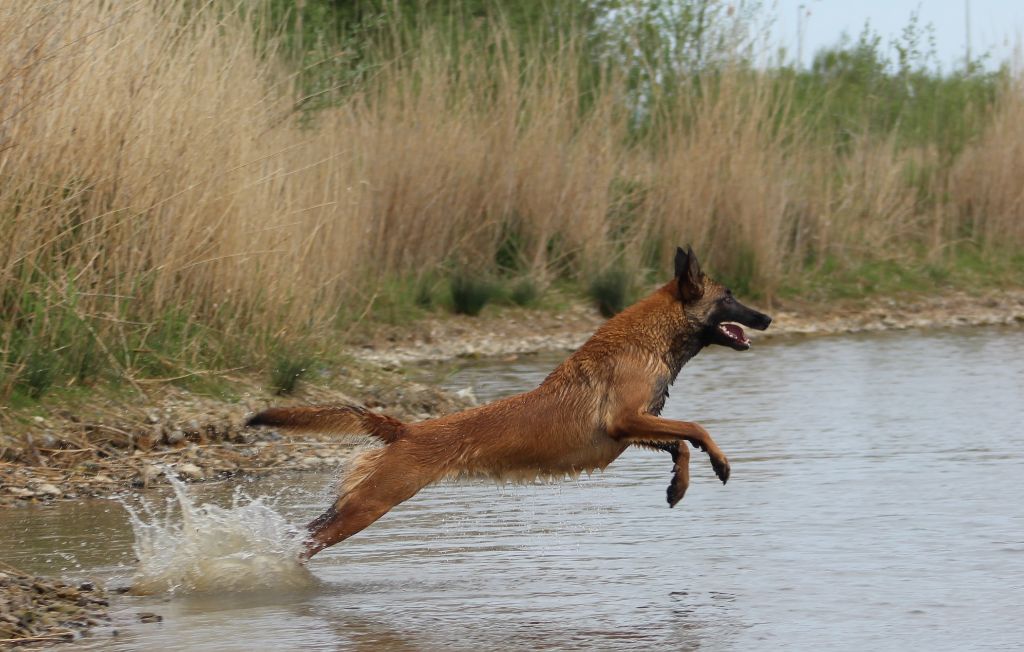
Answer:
x=876 y=502
x=192 y=547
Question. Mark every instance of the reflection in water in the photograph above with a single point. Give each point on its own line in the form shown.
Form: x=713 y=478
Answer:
x=875 y=503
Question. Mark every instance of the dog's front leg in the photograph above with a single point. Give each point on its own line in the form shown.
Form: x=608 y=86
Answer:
x=649 y=428
x=680 y=469
x=680 y=473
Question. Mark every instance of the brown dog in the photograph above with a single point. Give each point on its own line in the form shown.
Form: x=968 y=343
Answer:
x=603 y=398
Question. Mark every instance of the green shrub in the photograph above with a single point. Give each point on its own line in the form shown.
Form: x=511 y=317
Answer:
x=524 y=292
x=470 y=293
x=424 y=295
x=611 y=291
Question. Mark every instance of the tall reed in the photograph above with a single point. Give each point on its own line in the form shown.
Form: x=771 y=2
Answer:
x=166 y=209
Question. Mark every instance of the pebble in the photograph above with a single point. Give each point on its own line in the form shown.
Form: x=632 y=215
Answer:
x=48 y=490
x=151 y=473
x=38 y=607
x=190 y=471
x=48 y=440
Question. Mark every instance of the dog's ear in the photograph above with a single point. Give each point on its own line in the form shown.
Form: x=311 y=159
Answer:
x=689 y=275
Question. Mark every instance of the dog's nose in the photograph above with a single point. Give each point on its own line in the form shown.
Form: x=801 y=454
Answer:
x=766 y=322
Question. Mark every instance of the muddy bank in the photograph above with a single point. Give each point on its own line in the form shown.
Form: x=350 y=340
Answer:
x=516 y=332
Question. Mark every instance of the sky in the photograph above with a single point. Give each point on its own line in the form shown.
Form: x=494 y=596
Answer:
x=996 y=26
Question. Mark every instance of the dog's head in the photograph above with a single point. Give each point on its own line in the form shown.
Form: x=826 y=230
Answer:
x=712 y=307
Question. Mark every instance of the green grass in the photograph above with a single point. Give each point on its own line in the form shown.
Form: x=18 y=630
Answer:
x=37 y=376
x=46 y=341
x=965 y=270
x=424 y=294
x=173 y=346
x=286 y=372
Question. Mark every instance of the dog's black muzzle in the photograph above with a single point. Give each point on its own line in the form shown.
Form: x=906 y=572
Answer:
x=726 y=329
x=749 y=317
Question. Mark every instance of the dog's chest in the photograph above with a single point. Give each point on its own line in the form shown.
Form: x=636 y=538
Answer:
x=601 y=451
x=659 y=394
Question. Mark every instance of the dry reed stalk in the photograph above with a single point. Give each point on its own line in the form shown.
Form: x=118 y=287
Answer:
x=987 y=181
x=152 y=173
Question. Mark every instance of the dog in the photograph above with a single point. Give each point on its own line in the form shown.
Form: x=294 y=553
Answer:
x=602 y=399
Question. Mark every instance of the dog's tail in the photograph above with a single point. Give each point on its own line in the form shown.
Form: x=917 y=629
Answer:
x=337 y=419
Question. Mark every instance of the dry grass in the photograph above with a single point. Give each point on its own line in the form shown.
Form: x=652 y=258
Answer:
x=987 y=183
x=162 y=208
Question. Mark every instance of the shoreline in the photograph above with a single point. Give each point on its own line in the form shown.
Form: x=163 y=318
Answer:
x=454 y=337
x=107 y=445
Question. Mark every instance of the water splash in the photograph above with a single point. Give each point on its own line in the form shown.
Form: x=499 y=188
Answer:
x=190 y=547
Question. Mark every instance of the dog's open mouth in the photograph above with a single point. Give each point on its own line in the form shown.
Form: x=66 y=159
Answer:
x=734 y=335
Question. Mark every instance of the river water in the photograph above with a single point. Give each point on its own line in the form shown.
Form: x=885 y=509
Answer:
x=876 y=502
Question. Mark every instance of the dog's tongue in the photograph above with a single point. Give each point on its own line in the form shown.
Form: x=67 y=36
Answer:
x=734 y=331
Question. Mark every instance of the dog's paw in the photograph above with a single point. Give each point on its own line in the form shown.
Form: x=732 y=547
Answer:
x=677 y=488
x=721 y=466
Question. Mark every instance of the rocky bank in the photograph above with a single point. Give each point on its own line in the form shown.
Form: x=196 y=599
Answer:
x=37 y=611
x=516 y=332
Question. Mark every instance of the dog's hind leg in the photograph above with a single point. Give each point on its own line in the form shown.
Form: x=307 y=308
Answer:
x=384 y=480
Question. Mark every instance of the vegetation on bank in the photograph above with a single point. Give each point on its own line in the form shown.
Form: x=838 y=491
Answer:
x=188 y=187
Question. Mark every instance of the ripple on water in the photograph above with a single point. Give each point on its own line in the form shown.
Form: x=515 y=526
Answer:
x=876 y=503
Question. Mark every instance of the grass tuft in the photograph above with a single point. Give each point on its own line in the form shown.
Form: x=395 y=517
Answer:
x=287 y=369
x=38 y=374
x=524 y=292
x=611 y=291
x=470 y=293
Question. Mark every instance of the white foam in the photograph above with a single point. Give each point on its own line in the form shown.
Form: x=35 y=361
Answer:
x=189 y=547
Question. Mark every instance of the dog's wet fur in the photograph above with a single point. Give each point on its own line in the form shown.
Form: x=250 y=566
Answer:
x=602 y=399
